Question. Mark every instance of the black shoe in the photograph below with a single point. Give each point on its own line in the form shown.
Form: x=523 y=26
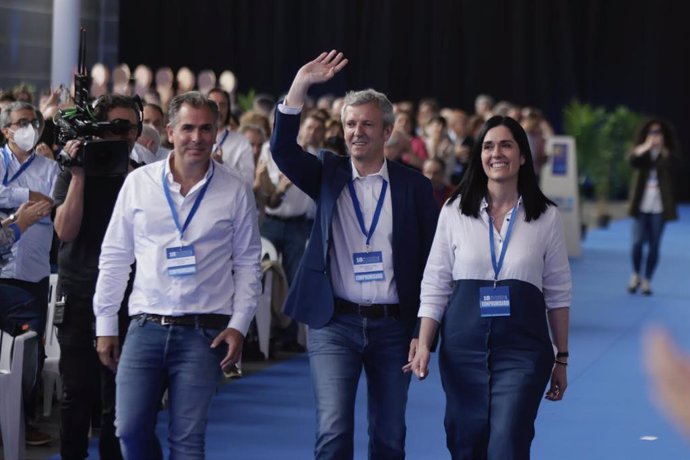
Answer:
x=34 y=437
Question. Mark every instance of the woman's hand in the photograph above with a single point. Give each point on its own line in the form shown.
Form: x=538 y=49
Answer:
x=559 y=382
x=418 y=360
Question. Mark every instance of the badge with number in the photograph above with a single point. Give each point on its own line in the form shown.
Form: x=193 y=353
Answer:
x=368 y=266
x=180 y=261
x=494 y=301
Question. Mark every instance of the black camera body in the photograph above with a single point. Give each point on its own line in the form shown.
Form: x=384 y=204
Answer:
x=98 y=157
x=102 y=158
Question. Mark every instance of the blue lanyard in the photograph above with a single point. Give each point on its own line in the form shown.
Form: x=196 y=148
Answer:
x=358 y=210
x=225 y=136
x=199 y=197
x=499 y=265
x=22 y=168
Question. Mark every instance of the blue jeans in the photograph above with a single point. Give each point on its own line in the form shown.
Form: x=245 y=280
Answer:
x=647 y=228
x=155 y=356
x=19 y=308
x=337 y=354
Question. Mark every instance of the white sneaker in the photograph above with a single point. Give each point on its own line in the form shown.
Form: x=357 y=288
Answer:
x=646 y=287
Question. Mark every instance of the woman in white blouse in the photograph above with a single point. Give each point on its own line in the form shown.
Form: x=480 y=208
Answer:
x=497 y=274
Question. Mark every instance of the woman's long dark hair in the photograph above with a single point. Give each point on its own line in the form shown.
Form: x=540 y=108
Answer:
x=473 y=187
x=666 y=130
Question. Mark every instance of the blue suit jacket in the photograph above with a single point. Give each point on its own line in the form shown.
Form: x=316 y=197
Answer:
x=310 y=299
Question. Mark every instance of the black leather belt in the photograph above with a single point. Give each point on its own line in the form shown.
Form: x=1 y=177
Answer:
x=377 y=310
x=210 y=320
x=301 y=218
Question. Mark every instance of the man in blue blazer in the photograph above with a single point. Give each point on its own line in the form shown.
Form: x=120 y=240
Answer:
x=358 y=284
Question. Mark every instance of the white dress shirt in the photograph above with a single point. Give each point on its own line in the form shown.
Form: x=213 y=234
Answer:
x=237 y=153
x=224 y=234
x=295 y=202
x=31 y=254
x=536 y=254
x=349 y=239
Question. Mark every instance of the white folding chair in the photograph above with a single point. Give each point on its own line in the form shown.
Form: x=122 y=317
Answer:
x=51 y=371
x=11 y=408
x=263 y=311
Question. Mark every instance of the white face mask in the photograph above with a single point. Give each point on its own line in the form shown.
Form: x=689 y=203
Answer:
x=25 y=138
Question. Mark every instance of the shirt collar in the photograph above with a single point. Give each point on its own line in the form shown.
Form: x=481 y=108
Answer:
x=485 y=204
x=13 y=156
x=169 y=175
x=383 y=172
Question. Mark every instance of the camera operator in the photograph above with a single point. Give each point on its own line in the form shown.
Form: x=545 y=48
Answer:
x=83 y=208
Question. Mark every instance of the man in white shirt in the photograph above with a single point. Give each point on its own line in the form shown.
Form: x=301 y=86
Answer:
x=191 y=227
x=24 y=175
x=231 y=148
x=358 y=284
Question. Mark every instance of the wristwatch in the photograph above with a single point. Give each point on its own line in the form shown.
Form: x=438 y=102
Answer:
x=13 y=218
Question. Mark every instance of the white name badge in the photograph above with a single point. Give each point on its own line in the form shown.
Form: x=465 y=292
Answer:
x=180 y=261
x=368 y=266
x=494 y=301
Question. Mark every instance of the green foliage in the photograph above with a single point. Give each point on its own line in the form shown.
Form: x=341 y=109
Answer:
x=602 y=141
x=246 y=100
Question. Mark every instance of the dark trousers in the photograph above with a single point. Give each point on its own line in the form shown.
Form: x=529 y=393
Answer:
x=86 y=382
x=647 y=229
x=32 y=313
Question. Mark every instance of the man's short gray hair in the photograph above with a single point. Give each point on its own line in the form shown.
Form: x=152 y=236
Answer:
x=196 y=100
x=148 y=132
x=6 y=114
x=370 y=96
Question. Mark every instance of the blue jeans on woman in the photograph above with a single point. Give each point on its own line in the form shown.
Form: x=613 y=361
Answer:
x=156 y=356
x=337 y=354
x=647 y=228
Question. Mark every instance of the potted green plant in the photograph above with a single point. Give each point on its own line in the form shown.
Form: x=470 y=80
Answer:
x=603 y=141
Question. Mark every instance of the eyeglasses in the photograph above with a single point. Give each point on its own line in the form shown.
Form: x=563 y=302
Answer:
x=655 y=131
x=23 y=123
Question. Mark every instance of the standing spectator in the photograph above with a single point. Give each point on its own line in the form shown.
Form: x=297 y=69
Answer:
x=439 y=145
x=27 y=176
x=652 y=203
x=231 y=148
x=483 y=106
x=405 y=123
x=83 y=208
x=490 y=299
x=358 y=285
x=190 y=225
x=434 y=170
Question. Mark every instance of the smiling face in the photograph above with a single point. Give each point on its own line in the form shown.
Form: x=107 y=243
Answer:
x=501 y=156
x=365 y=133
x=193 y=135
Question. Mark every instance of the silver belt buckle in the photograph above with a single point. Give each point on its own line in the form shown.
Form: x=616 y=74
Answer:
x=166 y=321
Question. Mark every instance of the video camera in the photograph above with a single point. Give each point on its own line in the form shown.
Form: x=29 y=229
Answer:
x=98 y=157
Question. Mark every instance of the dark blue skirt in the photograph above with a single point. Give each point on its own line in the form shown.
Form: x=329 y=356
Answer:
x=494 y=372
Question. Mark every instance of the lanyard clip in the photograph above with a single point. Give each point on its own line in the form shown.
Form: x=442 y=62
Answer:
x=495 y=283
